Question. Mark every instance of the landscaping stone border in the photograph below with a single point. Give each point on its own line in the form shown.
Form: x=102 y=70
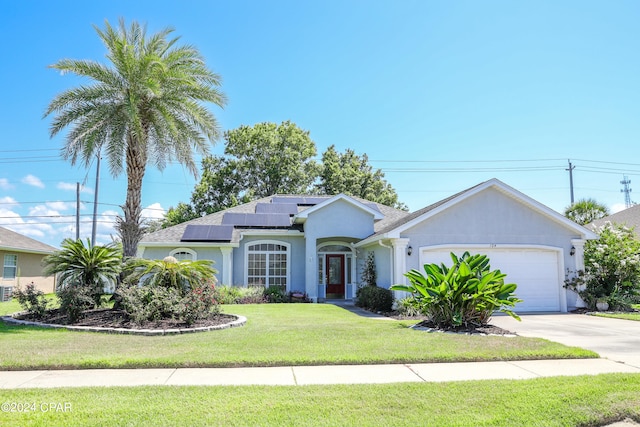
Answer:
x=240 y=321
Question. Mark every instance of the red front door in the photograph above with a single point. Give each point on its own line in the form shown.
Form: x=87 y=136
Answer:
x=335 y=276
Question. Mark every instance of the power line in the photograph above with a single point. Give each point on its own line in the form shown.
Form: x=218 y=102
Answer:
x=29 y=150
x=466 y=161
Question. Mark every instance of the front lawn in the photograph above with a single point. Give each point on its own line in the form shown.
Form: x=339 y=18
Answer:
x=620 y=315
x=550 y=402
x=275 y=335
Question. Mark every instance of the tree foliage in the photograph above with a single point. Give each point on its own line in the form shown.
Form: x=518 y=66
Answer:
x=144 y=106
x=85 y=266
x=273 y=159
x=351 y=174
x=267 y=159
x=612 y=268
x=586 y=211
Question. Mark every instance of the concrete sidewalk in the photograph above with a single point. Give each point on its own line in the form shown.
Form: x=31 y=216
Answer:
x=308 y=375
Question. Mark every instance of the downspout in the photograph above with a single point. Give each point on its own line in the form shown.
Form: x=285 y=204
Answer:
x=391 y=266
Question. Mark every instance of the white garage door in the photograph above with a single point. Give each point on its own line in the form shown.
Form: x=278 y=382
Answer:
x=534 y=270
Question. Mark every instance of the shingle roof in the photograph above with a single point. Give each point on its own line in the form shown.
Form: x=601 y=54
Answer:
x=174 y=234
x=629 y=217
x=409 y=217
x=10 y=240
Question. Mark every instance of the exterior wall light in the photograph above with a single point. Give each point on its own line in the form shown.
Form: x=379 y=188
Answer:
x=409 y=250
x=572 y=252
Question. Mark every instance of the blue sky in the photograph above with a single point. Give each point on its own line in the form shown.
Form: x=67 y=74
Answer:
x=441 y=95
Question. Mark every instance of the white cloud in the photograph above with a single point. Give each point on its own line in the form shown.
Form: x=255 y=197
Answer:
x=5 y=184
x=105 y=230
x=32 y=227
x=44 y=212
x=61 y=206
x=8 y=202
x=153 y=211
x=70 y=186
x=33 y=181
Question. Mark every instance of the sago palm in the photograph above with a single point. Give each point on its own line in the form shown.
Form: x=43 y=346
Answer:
x=78 y=265
x=146 y=105
x=182 y=275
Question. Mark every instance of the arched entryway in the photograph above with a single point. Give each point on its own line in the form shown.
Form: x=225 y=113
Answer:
x=336 y=269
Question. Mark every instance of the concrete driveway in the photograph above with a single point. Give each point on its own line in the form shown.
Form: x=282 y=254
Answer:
x=614 y=339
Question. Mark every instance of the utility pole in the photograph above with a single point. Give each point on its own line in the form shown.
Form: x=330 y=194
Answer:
x=626 y=190
x=77 y=210
x=571 y=168
x=95 y=204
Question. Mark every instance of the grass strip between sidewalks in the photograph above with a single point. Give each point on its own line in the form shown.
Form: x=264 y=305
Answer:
x=549 y=402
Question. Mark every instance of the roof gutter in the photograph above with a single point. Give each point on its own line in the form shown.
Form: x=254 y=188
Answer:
x=29 y=251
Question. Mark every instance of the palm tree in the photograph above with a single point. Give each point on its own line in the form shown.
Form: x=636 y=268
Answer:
x=145 y=106
x=182 y=275
x=77 y=265
x=585 y=211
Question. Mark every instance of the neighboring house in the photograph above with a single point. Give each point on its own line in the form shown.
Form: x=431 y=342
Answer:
x=22 y=261
x=319 y=244
x=629 y=217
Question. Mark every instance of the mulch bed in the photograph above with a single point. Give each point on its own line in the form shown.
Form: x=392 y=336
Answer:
x=110 y=318
x=471 y=329
x=424 y=322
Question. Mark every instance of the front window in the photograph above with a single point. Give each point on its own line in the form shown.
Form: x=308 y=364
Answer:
x=267 y=264
x=10 y=266
x=183 y=255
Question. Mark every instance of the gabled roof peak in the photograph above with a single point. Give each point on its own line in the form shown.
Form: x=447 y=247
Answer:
x=371 y=208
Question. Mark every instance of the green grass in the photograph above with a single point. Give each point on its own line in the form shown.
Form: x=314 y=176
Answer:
x=620 y=315
x=275 y=335
x=549 y=402
x=12 y=306
x=9 y=307
x=625 y=316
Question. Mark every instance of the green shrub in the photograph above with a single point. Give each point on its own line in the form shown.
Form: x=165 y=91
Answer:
x=612 y=269
x=240 y=295
x=466 y=294
x=228 y=294
x=75 y=300
x=253 y=294
x=374 y=298
x=276 y=294
x=169 y=289
x=148 y=303
x=32 y=300
x=408 y=307
x=93 y=268
x=152 y=303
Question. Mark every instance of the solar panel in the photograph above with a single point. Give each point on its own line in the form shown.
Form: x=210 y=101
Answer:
x=207 y=233
x=256 y=219
x=306 y=201
x=280 y=208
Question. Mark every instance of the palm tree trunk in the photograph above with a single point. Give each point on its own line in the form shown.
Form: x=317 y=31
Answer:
x=130 y=228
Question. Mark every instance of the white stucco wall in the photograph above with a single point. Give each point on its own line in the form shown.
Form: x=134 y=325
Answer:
x=489 y=218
